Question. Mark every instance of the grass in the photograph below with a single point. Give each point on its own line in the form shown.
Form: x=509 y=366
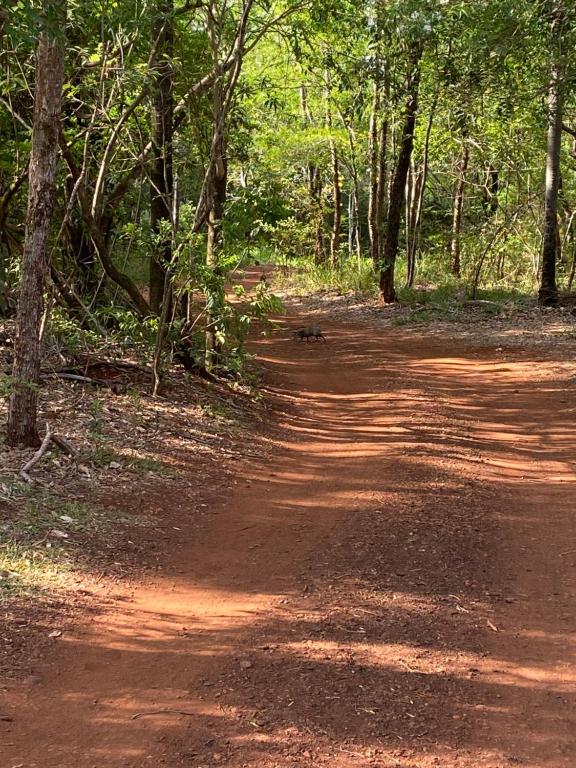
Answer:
x=438 y=300
x=306 y=277
x=41 y=544
x=102 y=455
x=25 y=571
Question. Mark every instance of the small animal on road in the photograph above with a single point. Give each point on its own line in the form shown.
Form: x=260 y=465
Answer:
x=309 y=332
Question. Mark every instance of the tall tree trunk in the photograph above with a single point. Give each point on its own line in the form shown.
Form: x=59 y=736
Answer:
x=22 y=413
x=390 y=251
x=373 y=151
x=216 y=199
x=458 y=208
x=161 y=174
x=354 y=244
x=378 y=138
x=337 y=202
x=382 y=187
x=413 y=182
x=416 y=212
x=315 y=186
x=336 y=189
x=548 y=293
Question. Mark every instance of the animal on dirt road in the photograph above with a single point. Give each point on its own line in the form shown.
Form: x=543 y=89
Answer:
x=309 y=332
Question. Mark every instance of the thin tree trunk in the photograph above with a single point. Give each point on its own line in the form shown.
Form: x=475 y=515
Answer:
x=410 y=192
x=337 y=221
x=382 y=184
x=373 y=151
x=548 y=293
x=458 y=209
x=419 y=199
x=352 y=223
x=216 y=196
x=314 y=188
x=22 y=413
x=336 y=189
x=354 y=244
x=390 y=251
x=378 y=145
x=490 y=190
x=161 y=174
x=413 y=184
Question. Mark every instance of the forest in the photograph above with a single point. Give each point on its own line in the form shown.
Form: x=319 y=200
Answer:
x=151 y=149
x=287 y=383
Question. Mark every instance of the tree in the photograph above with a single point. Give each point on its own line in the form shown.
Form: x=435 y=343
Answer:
x=22 y=415
x=461 y=170
x=397 y=191
x=161 y=172
x=548 y=293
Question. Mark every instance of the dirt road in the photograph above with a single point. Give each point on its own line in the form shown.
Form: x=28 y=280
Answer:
x=396 y=587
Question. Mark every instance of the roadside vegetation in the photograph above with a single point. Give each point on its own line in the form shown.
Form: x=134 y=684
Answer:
x=417 y=156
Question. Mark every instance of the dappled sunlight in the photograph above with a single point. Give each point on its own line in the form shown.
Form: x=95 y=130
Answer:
x=342 y=591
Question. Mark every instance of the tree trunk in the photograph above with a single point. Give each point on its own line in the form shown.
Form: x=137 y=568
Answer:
x=336 y=189
x=548 y=293
x=373 y=151
x=377 y=151
x=490 y=190
x=413 y=184
x=315 y=186
x=161 y=174
x=22 y=413
x=217 y=182
x=216 y=200
x=416 y=212
x=458 y=208
x=390 y=251
x=337 y=221
x=354 y=244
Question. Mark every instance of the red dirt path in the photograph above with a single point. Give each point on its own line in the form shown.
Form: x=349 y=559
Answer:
x=395 y=588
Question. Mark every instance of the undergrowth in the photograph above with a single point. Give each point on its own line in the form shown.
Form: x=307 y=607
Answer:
x=431 y=298
x=41 y=542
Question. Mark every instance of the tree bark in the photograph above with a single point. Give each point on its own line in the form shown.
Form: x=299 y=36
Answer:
x=378 y=140
x=314 y=177
x=373 y=151
x=336 y=188
x=490 y=190
x=416 y=213
x=397 y=190
x=22 y=413
x=458 y=208
x=161 y=174
x=548 y=293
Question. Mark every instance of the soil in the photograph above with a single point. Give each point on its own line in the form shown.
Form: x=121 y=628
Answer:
x=393 y=585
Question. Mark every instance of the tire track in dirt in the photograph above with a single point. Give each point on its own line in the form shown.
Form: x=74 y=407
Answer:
x=395 y=587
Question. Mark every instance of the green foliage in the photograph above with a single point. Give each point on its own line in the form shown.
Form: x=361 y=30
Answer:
x=40 y=547
x=302 y=102
x=305 y=276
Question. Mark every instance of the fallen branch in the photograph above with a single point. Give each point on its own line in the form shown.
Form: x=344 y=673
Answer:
x=49 y=437
x=65 y=446
x=163 y=712
x=37 y=456
x=82 y=379
x=117 y=387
